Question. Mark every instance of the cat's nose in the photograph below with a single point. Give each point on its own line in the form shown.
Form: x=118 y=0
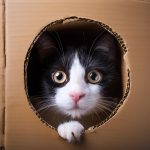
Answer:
x=77 y=96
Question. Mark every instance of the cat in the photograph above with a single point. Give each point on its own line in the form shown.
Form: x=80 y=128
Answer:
x=74 y=75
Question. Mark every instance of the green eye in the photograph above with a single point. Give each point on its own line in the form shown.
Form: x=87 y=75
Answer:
x=59 y=77
x=94 y=76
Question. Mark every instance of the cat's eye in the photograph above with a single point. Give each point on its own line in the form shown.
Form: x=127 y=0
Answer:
x=94 y=76
x=59 y=77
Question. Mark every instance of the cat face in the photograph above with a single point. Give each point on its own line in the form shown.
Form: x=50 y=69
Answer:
x=76 y=69
x=80 y=94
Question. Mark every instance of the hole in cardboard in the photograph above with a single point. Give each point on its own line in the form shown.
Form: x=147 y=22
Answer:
x=54 y=49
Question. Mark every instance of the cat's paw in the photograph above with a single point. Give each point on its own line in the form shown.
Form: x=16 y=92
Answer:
x=71 y=131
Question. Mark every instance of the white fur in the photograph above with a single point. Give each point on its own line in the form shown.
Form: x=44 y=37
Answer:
x=71 y=131
x=77 y=84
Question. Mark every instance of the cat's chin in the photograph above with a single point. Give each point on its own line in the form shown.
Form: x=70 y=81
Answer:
x=75 y=112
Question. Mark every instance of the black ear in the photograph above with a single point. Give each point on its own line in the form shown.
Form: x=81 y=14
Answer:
x=45 y=47
x=107 y=44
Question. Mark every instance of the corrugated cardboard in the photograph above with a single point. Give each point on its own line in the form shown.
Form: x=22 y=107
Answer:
x=130 y=128
x=1 y=75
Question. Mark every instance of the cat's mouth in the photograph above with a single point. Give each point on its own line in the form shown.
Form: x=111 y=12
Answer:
x=76 y=112
x=76 y=108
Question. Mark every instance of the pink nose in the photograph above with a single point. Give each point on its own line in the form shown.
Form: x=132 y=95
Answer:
x=76 y=96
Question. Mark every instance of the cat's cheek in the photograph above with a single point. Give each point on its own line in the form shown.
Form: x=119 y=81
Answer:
x=94 y=88
x=62 y=100
x=64 y=104
x=87 y=107
x=93 y=97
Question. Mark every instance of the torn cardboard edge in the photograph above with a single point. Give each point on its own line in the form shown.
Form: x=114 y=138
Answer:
x=124 y=51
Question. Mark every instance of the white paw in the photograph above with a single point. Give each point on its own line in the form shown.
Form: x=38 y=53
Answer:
x=71 y=131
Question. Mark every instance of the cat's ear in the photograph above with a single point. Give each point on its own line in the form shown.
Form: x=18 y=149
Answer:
x=107 y=44
x=45 y=47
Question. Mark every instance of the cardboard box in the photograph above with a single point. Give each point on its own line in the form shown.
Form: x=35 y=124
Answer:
x=130 y=128
x=2 y=66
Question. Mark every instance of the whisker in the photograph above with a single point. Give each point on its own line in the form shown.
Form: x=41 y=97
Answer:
x=61 y=47
x=103 y=108
x=96 y=113
x=45 y=107
x=106 y=108
x=39 y=97
x=107 y=105
x=108 y=102
x=113 y=98
x=102 y=112
x=90 y=54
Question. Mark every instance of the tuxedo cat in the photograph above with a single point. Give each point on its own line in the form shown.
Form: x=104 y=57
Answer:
x=74 y=72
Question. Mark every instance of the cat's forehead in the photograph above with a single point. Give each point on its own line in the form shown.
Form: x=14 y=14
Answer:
x=92 y=43
x=75 y=34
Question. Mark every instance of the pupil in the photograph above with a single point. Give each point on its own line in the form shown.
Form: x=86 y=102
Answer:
x=59 y=76
x=93 y=76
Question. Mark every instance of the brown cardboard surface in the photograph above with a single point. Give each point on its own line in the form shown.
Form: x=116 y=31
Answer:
x=1 y=74
x=130 y=128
